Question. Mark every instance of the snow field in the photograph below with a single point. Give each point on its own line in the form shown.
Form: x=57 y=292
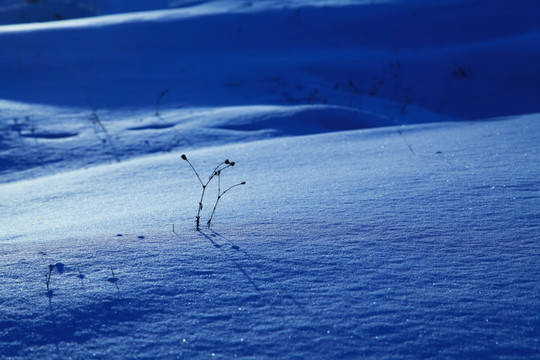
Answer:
x=377 y=221
x=408 y=259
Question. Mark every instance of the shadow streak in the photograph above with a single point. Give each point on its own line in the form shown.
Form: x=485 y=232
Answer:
x=54 y=323
x=233 y=246
x=237 y=248
x=238 y=266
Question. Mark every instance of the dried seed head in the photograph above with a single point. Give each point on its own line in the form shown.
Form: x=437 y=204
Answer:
x=184 y=157
x=227 y=161
x=232 y=163
x=243 y=183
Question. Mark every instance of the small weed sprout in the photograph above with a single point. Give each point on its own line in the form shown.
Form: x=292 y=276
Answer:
x=158 y=101
x=48 y=279
x=112 y=279
x=216 y=172
x=80 y=276
x=406 y=142
x=98 y=125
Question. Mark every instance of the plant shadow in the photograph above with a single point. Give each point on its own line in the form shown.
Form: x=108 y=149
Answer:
x=233 y=261
x=233 y=245
x=238 y=249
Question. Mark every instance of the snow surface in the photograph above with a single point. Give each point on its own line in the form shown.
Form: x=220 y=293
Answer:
x=377 y=221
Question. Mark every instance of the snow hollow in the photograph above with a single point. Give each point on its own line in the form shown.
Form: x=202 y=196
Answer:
x=390 y=154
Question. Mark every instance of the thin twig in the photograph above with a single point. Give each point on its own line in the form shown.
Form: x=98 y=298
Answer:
x=219 y=197
x=94 y=118
x=406 y=142
x=49 y=278
x=195 y=171
x=158 y=101
x=217 y=170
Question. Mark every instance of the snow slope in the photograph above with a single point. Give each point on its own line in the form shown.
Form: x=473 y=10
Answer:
x=341 y=245
x=398 y=63
x=377 y=220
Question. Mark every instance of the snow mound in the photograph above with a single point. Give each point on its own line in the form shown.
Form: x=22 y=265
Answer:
x=54 y=141
x=338 y=53
x=302 y=120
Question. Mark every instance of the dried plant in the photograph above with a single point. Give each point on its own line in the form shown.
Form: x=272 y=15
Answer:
x=158 y=101
x=48 y=279
x=215 y=173
x=406 y=142
x=98 y=126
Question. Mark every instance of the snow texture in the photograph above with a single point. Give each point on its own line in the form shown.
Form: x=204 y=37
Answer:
x=390 y=151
